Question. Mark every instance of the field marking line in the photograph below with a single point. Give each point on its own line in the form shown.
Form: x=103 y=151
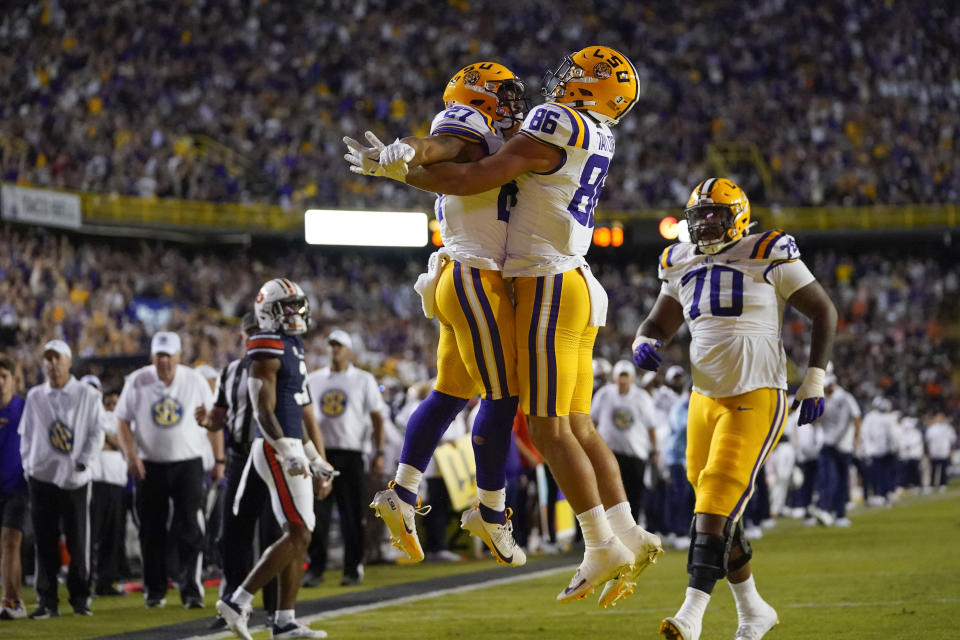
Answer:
x=435 y=593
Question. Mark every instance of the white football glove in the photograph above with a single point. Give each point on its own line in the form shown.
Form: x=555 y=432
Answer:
x=319 y=468
x=809 y=397
x=395 y=156
x=291 y=456
x=364 y=160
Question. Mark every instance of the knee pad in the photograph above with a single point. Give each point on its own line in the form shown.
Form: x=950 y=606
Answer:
x=708 y=554
x=739 y=540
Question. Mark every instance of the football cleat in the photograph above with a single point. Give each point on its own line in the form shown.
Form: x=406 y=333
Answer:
x=295 y=630
x=610 y=561
x=236 y=616
x=399 y=518
x=497 y=537
x=677 y=628
x=13 y=610
x=646 y=548
x=754 y=627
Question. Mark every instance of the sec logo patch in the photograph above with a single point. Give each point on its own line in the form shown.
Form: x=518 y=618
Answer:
x=333 y=403
x=167 y=412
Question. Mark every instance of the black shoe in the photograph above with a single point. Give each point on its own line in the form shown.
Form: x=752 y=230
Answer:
x=351 y=581
x=218 y=623
x=155 y=603
x=110 y=590
x=82 y=610
x=42 y=613
x=311 y=579
x=193 y=603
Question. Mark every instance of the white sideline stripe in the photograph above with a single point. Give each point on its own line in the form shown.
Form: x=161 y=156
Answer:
x=345 y=611
x=881 y=603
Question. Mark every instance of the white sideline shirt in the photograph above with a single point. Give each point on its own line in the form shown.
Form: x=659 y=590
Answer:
x=624 y=420
x=343 y=402
x=110 y=466
x=940 y=439
x=837 y=420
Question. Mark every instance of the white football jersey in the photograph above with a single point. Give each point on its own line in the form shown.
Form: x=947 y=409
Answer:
x=837 y=420
x=733 y=305
x=473 y=228
x=551 y=224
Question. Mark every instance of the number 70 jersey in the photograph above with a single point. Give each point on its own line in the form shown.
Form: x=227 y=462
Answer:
x=733 y=305
x=551 y=224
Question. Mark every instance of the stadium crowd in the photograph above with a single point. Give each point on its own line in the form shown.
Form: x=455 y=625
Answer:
x=850 y=103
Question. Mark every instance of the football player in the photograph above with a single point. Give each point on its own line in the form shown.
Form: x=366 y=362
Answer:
x=465 y=291
x=286 y=456
x=558 y=161
x=730 y=288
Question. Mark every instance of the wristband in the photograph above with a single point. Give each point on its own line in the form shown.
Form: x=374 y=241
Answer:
x=220 y=461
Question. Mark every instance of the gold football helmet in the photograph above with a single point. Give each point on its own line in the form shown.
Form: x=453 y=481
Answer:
x=718 y=214
x=492 y=88
x=598 y=80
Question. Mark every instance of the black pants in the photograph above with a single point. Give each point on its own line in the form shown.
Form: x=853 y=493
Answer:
x=348 y=494
x=631 y=471
x=107 y=531
x=181 y=482
x=235 y=539
x=49 y=507
x=435 y=522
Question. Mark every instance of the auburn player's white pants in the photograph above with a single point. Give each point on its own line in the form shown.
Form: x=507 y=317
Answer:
x=291 y=497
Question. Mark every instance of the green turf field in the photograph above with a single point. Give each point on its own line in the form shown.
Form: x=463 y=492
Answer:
x=894 y=574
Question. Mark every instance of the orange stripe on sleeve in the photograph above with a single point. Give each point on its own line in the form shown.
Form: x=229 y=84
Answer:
x=264 y=343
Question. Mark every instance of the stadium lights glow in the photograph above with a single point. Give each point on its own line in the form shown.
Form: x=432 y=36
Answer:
x=365 y=228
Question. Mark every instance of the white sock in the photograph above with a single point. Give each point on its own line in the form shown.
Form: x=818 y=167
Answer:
x=283 y=617
x=620 y=518
x=408 y=477
x=746 y=596
x=695 y=604
x=496 y=500
x=241 y=597
x=596 y=529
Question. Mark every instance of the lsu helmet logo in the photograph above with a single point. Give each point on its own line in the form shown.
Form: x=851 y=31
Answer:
x=622 y=419
x=333 y=403
x=167 y=412
x=61 y=437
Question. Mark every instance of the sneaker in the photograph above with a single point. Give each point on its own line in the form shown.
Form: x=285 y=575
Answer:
x=444 y=555
x=497 y=537
x=753 y=532
x=155 y=603
x=399 y=518
x=756 y=626
x=646 y=548
x=110 y=590
x=311 y=579
x=823 y=517
x=12 y=610
x=350 y=581
x=236 y=616
x=677 y=628
x=82 y=610
x=43 y=613
x=610 y=561
x=296 y=630
x=843 y=523
x=809 y=522
x=193 y=603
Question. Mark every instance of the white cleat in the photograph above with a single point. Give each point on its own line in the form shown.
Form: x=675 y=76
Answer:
x=677 y=628
x=236 y=616
x=399 y=518
x=754 y=627
x=497 y=537
x=610 y=561
x=295 y=630
x=646 y=548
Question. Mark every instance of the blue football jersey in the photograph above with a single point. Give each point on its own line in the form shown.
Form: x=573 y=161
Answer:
x=292 y=392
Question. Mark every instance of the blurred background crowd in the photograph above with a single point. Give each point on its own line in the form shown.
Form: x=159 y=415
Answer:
x=245 y=100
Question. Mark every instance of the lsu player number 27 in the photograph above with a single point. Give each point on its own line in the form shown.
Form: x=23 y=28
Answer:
x=559 y=161
x=730 y=287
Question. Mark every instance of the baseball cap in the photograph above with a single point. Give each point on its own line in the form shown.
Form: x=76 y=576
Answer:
x=250 y=323
x=93 y=381
x=624 y=366
x=59 y=346
x=674 y=371
x=342 y=337
x=165 y=342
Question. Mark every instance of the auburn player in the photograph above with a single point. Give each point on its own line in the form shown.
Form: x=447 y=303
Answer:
x=559 y=161
x=464 y=288
x=285 y=457
x=730 y=288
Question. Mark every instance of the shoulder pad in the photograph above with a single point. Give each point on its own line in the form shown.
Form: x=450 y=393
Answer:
x=463 y=122
x=675 y=256
x=558 y=125
x=265 y=344
x=775 y=244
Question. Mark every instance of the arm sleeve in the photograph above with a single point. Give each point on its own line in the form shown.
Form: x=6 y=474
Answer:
x=373 y=399
x=97 y=416
x=125 y=410
x=669 y=288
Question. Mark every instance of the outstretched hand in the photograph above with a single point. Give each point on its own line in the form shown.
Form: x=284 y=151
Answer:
x=366 y=160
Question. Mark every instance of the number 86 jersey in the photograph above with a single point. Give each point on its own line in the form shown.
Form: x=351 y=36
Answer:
x=733 y=305
x=551 y=224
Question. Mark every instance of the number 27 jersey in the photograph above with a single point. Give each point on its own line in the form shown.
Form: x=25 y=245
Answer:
x=551 y=224
x=733 y=304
